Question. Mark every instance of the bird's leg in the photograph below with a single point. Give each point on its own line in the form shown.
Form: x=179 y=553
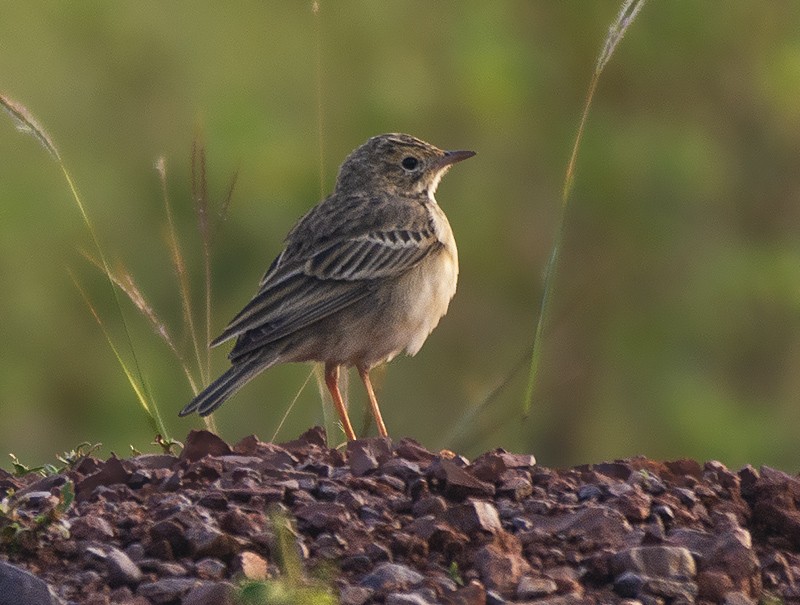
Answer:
x=332 y=380
x=373 y=401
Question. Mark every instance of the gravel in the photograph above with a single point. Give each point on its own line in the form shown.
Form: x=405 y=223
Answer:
x=394 y=523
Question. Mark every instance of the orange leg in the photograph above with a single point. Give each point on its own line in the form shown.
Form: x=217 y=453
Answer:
x=373 y=401
x=332 y=380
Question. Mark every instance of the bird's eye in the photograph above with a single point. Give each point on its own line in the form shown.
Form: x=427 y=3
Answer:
x=410 y=163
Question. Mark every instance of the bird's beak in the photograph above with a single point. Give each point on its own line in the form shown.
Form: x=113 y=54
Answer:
x=451 y=157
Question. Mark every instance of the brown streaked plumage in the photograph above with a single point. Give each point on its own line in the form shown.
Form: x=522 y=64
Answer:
x=365 y=274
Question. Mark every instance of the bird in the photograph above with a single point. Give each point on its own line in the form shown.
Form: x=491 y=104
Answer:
x=364 y=275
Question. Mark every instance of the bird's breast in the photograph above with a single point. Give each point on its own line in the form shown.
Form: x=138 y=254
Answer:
x=432 y=285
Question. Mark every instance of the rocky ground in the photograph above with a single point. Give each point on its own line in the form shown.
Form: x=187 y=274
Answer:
x=384 y=522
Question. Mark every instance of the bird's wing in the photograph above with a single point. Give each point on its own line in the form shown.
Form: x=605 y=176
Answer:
x=311 y=280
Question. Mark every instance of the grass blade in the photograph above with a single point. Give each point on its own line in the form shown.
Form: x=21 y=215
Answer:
x=151 y=411
x=179 y=266
x=627 y=14
x=25 y=122
x=291 y=405
x=125 y=282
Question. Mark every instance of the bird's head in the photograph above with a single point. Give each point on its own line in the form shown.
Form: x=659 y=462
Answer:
x=396 y=163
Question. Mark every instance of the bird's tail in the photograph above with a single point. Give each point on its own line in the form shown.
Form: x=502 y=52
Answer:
x=218 y=392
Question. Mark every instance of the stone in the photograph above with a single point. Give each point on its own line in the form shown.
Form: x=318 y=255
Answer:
x=167 y=590
x=737 y=598
x=120 y=569
x=328 y=516
x=674 y=590
x=671 y=562
x=392 y=577
x=365 y=455
x=110 y=473
x=472 y=594
x=216 y=593
x=91 y=528
x=534 y=588
x=473 y=516
x=500 y=569
x=457 y=482
x=20 y=587
x=210 y=569
x=252 y=565
x=355 y=595
x=205 y=540
x=429 y=505
x=203 y=443
x=400 y=467
x=589 y=492
x=408 y=598
x=601 y=525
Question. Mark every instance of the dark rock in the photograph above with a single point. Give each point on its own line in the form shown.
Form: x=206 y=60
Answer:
x=91 y=528
x=355 y=595
x=429 y=505
x=151 y=462
x=216 y=593
x=501 y=566
x=493 y=598
x=168 y=590
x=589 y=492
x=472 y=594
x=671 y=562
x=313 y=437
x=458 y=483
x=172 y=533
x=210 y=569
x=400 y=467
x=737 y=598
x=44 y=485
x=410 y=598
x=388 y=577
x=324 y=515
x=515 y=484
x=366 y=455
x=473 y=516
x=635 y=505
x=534 y=588
x=120 y=569
x=205 y=540
x=112 y=472
x=20 y=587
x=203 y=443
x=358 y=563
x=600 y=525
x=629 y=584
x=676 y=591
x=713 y=585
x=409 y=449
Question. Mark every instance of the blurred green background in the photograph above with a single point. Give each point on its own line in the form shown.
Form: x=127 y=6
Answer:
x=675 y=325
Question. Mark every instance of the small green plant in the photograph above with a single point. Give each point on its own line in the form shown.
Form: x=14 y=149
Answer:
x=67 y=459
x=767 y=598
x=293 y=586
x=455 y=573
x=21 y=530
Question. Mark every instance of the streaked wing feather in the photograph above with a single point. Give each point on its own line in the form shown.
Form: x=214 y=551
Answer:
x=326 y=297
x=374 y=255
x=296 y=292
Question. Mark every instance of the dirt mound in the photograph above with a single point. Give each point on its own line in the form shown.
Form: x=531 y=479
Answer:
x=395 y=523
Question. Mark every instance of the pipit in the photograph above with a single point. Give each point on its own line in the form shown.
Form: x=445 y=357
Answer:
x=364 y=275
